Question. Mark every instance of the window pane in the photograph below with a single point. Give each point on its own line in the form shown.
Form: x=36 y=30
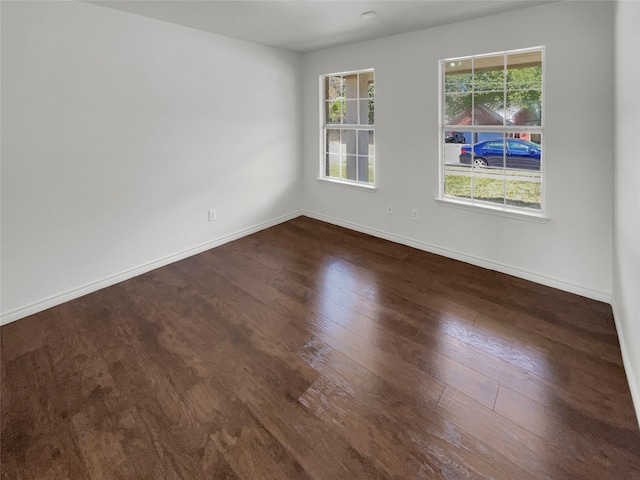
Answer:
x=457 y=75
x=366 y=85
x=333 y=165
x=523 y=181
x=366 y=112
x=351 y=113
x=371 y=162
x=351 y=86
x=457 y=181
x=365 y=142
x=366 y=103
x=364 y=173
x=488 y=88
x=349 y=142
x=524 y=88
x=488 y=187
x=457 y=109
x=523 y=189
x=458 y=86
x=333 y=88
x=488 y=167
x=523 y=154
x=335 y=111
x=370 y=101
x=485 y=150
x=332 y=144
x=454 y=143
x=351 y=167
x=457 y=136
x=332 y=153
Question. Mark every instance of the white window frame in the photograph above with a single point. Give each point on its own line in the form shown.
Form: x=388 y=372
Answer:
x=533 y=214
x=360 y=126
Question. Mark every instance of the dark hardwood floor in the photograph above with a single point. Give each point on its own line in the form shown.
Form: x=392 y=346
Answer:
x=307 y=351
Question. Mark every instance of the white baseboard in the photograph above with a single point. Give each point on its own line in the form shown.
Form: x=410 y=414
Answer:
x=58 y=299
x=55 y=300
x=626 y=361
x=16 y=314
x=473 y=260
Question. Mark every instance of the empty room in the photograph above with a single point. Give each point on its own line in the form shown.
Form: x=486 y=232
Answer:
x=324 y=240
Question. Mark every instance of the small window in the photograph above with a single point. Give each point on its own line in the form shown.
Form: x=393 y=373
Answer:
x=348 y=151
x=489 y=100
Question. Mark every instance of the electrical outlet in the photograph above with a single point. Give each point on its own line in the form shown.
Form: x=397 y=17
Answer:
x=213 y=215
x=389 y=209
x=414 y=214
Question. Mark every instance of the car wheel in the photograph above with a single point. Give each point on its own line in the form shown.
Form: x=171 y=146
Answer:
x=480 y=162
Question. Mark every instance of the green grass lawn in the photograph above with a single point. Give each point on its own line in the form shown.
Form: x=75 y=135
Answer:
x=518 y=193
x=334 y=171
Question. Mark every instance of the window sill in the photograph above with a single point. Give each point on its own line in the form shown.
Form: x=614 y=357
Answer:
x=353 y=185
x=494 y=210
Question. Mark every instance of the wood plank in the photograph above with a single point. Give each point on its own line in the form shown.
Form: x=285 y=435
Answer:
x=554 y=429
x=37 y=438
x=532 y=453
x=362 y=328
x=431 y=441
x=307 y=351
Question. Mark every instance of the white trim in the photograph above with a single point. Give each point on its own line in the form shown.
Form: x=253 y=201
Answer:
x=55 y=300
x=368 y=187
x=560 y=284
x=359 y=126
x=493 y=54
x=351 y=72
x=351 y=126
x=41 y=305
x=72 y=294
x=489 y=128
x=494 y=128
x=500 y=210
x=626 y=361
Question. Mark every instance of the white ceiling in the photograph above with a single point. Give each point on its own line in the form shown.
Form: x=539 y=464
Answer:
x=306 y=25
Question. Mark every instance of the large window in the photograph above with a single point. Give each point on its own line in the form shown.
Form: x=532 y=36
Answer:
x=348 y=152
x=491 y=128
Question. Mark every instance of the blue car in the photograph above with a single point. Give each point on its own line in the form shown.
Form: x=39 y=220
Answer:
x=490 y=153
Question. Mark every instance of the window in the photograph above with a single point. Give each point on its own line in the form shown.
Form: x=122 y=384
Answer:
x=487 y=102
x=348 y=152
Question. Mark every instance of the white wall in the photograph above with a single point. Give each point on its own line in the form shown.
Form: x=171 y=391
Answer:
x=573 y=250
x=626 y=248
x=120 y=132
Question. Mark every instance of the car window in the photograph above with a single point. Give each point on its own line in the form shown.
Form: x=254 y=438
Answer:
x=495 y=145
x=520 y=147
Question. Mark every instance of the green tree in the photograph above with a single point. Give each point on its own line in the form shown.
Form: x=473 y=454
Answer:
x=370 y=92
x=337 y=110
x=335 y=93
x=487 y=88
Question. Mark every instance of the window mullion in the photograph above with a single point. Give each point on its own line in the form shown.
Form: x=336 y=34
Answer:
x=358 y=103
x=504 y=122
x=473 y=122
